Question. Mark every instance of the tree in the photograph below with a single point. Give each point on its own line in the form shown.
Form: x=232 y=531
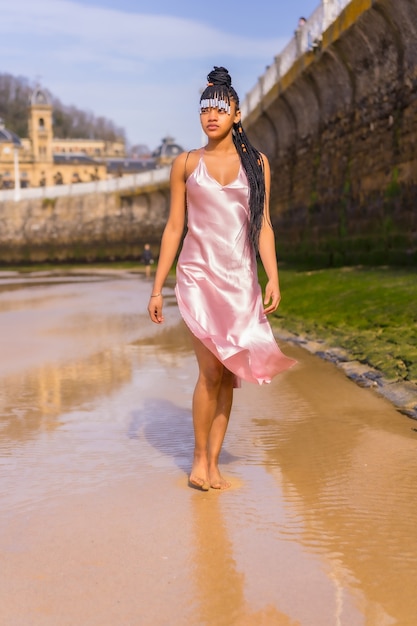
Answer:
x=69 y=121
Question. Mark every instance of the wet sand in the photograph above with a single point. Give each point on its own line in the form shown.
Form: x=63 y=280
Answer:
x=97 y=524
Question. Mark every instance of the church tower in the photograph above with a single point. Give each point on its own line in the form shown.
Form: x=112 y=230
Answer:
x=40 y=127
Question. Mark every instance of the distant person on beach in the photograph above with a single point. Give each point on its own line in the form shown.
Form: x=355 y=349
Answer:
x=225 y=188
x=147 y=259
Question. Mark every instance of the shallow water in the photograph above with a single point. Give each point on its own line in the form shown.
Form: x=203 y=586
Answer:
x=97 y=524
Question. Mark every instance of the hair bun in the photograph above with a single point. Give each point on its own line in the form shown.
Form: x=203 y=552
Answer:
x=220 y=76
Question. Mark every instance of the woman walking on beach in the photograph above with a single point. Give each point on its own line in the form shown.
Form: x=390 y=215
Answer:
x=223 y=189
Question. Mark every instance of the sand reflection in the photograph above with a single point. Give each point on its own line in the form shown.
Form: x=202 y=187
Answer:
x=348 y=470
x=219 y=588
x=34 y=401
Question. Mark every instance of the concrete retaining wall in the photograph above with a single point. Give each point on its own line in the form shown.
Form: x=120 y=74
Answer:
x=86 y=227
x=340 y=130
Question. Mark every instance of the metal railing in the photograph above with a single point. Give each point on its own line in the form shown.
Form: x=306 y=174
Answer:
x=307 y=37
x=131 y=181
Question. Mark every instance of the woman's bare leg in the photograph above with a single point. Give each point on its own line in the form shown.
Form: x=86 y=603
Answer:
x=212 y=403
x=218 y=430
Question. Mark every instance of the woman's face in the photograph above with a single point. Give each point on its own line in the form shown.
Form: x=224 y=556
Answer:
x=218 y=123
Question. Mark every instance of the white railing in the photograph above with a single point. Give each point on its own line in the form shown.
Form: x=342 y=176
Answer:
x=271 y=76
x=131 y=181
x=332 y=9
x=289 y=56
x=307 y=37
x=315 y=27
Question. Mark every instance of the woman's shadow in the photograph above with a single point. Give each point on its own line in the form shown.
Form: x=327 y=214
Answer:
x=168 y=428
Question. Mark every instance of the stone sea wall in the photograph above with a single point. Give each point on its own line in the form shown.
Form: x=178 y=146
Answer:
x=89 y=227
x=340 y=130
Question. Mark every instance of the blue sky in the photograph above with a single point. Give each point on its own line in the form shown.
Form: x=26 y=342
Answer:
x=143 y=64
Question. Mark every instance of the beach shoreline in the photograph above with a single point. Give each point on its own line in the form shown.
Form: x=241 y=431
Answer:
x=401 y=394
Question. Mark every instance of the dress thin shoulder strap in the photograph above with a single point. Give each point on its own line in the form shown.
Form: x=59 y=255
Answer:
x=185 y=165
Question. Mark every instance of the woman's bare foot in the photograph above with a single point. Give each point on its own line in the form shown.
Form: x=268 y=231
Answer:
x=217 y=481
x=199 y=475
x=198 y=483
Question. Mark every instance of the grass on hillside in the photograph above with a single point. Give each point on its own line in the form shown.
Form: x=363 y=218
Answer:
x=370 y=312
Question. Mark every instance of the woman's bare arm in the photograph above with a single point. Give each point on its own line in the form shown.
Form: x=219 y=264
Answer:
x=267 y=250
x=171 y=237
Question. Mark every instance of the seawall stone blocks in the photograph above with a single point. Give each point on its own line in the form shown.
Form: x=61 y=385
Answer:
x=341 y=135
x=81 y=228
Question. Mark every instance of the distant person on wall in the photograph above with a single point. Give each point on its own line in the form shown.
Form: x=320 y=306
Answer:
x=223 y=189
x=302 y=42
x=147 y=259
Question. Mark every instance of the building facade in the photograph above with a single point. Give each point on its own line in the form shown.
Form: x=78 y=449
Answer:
x=41 y=159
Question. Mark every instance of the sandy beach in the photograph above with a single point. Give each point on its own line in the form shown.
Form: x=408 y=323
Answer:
x=98 y=526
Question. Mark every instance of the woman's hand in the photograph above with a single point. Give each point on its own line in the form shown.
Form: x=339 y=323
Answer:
x=272 y=297
x=155 y=309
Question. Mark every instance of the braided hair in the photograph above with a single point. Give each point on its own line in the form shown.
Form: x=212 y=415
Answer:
x=218 y=90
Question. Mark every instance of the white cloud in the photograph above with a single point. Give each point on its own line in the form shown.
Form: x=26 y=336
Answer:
x=143 y=71
x=110 y=31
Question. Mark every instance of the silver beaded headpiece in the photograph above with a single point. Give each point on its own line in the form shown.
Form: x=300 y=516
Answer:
x=215 y=103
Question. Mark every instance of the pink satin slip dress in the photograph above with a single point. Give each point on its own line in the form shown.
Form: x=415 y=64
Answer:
x=217 y=287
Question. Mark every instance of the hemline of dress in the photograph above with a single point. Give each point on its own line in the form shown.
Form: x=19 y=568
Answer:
x=208 y=342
